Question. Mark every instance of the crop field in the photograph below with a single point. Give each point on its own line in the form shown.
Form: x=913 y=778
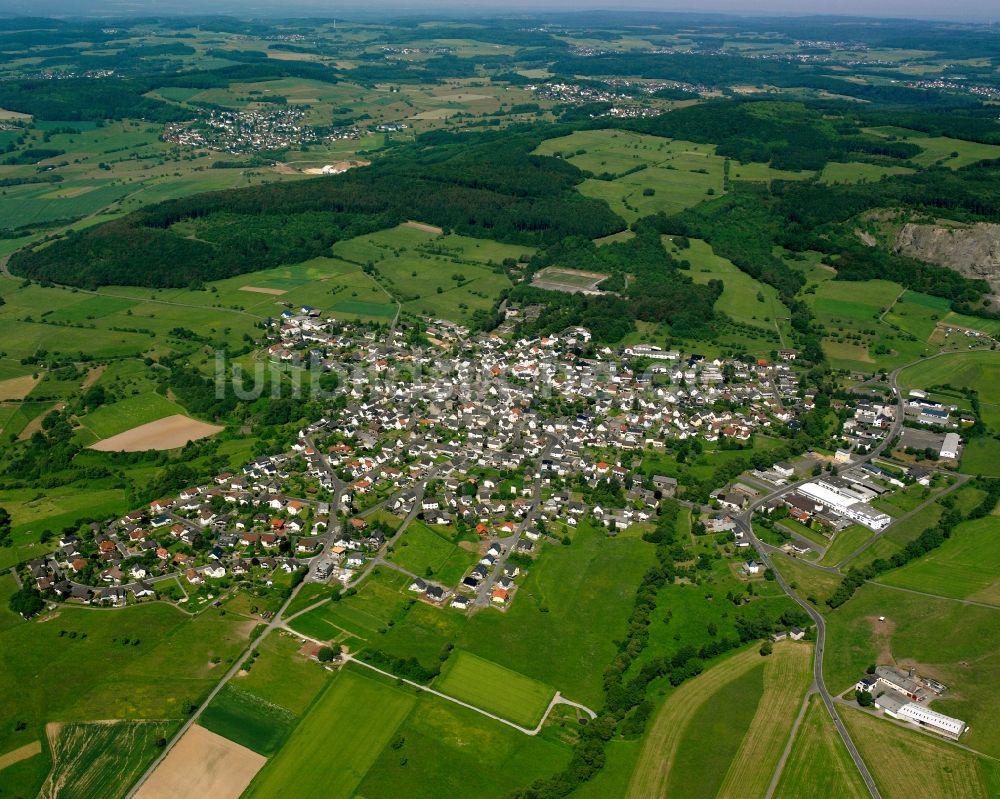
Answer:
x=442 y=748
x=248 y=720
x=819 y=764
x=905 y=763
x=167 y=433
x=113 y=652
x=117 y=417
x=787 y=675
x=494 y=688
x=345 y=730
x=202 y=764
x=744 y=299
x=425 y=552
x=955 y=643
x=101 y=759
x=964 y=567
x=713 y=736
x=664 y=736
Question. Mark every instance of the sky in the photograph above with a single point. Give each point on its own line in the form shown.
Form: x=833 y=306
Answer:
x=969 y=10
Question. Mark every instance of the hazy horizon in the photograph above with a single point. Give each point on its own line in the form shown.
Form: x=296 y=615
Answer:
x=968 y=11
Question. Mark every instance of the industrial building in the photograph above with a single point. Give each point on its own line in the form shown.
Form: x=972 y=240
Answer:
x=846 y=503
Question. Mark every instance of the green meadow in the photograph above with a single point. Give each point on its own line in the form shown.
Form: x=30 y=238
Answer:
x=494 y=688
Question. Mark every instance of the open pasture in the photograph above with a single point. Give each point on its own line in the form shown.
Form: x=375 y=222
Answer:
x=379 y=599
x=858 y=172
x=113 y=652
x=442 y=748
x=954 y=643
x=494 y=688
x=976 y=370
x=345 y=730
x=203 y=764
x=425 y=552
x=607 y=151
x=744 y=298
x=100 y=760
x=963 y=567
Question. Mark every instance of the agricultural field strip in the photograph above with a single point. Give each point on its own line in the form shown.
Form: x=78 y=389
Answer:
x=787 y=675
x=649 y=779
x=556 y=700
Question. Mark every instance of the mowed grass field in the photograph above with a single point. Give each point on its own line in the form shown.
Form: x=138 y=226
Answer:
x=345 y=730
x=787 y=675
x=101 y=760
x=494 y=688
x=963 y=567
x=714 y=735
x=744 y=299
x=954 y=643
x=667 y=729
x=819 y=765
x=421 y=547
x=906 y=763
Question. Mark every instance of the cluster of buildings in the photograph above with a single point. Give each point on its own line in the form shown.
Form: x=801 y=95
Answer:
x=904 y=696
x=622 y=105
x=240 y=132
x=459 y=430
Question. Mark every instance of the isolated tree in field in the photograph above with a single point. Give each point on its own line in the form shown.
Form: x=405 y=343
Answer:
x=766 y=648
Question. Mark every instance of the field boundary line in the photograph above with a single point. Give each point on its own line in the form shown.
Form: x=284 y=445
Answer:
x=780 y=768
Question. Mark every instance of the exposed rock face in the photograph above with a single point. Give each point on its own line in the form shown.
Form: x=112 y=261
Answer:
x=972 y=251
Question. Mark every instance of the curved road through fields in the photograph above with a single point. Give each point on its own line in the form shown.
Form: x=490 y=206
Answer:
x=763 y=551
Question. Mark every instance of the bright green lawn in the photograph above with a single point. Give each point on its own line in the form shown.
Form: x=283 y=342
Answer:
x=494 y=688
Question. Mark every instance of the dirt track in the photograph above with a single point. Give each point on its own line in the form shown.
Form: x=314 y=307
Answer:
x=169 y=433
x=203 y=764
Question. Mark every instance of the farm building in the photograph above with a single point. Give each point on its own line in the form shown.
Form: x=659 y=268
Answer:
x=925 y=717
